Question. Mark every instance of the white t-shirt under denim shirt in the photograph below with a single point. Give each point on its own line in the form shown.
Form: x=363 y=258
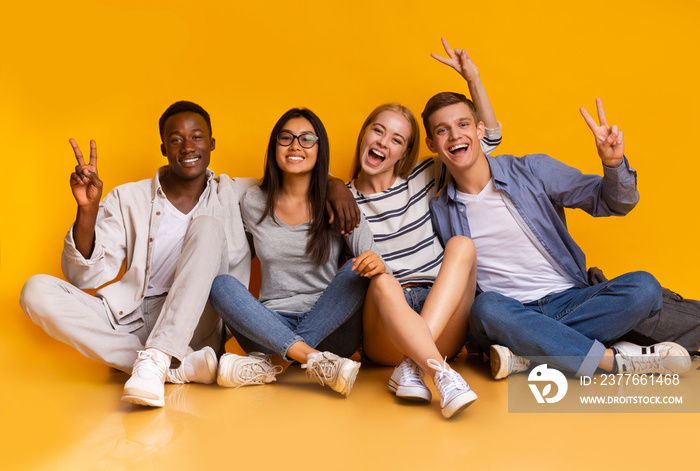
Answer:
x=525 y=274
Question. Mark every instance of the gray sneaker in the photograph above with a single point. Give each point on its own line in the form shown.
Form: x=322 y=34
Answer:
x=664 y=358
x=504 y=362
x=407 y=382
x=328 y=368
x=455 y=393
x=244 y=370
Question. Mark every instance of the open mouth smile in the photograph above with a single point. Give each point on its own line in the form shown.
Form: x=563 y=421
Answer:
x=459 y=150
x=374 y=157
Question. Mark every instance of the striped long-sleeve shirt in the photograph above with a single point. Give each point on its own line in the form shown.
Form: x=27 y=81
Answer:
x=399 y=218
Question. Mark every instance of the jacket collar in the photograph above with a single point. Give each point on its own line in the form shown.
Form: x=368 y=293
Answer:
x=156 y=188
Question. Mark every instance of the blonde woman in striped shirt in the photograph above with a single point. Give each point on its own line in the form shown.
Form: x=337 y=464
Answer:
x=418 y=316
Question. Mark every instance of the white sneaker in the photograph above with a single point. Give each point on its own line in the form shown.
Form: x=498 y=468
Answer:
x=145 y=387
x=407 y=382
x=328 y=368
x=504 y=362
x=664 y=358
x=455 y=393
x=197 y=367
x=237 y=370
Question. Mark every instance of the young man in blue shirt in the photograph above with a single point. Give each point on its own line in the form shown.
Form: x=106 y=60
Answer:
x=534 y=299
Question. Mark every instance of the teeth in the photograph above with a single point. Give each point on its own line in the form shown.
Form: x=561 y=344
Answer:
x=377 y=153
x=295 y=157
x=458 y=146
x=189 y=161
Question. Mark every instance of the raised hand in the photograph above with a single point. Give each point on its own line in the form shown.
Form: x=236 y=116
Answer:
x=608 y=139
x=84 y=182
x=458 y=60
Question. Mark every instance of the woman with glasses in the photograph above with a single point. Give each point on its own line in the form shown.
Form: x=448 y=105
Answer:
x=418 y=316
x=305 y=301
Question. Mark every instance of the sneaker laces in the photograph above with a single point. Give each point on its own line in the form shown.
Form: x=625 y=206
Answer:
x=256 y=369
x=410 y=372
x=177 y=375
x=644 y=363
x=322 y=370
x=155 y=365
x=447 y=379
x=518 y=363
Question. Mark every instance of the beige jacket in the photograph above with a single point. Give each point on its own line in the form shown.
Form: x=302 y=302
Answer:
x=127 y=224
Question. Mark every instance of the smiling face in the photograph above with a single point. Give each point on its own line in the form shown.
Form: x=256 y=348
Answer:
x=456 y=136
x=187 y=143
x=295 y=159
x=384 y=143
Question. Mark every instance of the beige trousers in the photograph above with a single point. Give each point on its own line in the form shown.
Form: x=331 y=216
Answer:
x=175 y=323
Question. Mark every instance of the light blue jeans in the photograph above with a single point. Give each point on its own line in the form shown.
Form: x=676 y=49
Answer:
x=570 y=328
x=336 y=316
x=415 y=297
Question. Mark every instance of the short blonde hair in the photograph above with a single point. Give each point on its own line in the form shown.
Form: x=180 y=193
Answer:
x=404 y=166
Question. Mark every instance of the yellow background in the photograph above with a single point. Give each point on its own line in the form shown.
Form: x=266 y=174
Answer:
x=106 y=70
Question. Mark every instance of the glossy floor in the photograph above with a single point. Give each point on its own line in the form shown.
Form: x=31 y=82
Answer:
x=62 y=411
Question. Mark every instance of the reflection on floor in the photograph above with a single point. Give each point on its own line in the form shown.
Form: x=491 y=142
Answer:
x=62 y=411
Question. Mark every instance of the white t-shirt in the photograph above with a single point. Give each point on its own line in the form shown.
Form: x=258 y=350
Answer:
x=167 y=248
x=507 y=261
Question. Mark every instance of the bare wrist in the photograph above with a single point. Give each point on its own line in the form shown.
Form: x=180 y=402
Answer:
x=88 y=209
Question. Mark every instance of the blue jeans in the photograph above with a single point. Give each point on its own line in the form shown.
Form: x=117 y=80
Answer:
x=570 y=328
x=415 y=297
x=260 y=329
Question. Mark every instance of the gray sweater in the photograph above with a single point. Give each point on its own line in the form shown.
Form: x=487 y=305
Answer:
x=291 y=281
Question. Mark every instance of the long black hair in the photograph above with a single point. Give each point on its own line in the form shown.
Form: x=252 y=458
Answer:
x=319 y=242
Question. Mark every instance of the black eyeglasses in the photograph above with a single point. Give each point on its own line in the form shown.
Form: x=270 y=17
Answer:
x=305 y=139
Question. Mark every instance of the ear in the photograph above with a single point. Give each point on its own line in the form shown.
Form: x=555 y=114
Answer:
x=480 y=130
x=162 y=150
x=213 y=144
x=431 y=145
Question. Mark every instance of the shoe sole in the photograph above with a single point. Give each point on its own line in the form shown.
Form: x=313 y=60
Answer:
x=459 y=403
x=410 y=393
x=499 y=369
x=352 y=368
x=140 y=398
x=223 y=373
x=212 y=364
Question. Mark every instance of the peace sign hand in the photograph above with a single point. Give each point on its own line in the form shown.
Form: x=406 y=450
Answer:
x=458 y=60
x=608 y=139
x=85 y=183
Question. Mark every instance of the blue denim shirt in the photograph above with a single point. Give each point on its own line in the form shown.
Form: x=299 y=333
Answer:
x=539 y=187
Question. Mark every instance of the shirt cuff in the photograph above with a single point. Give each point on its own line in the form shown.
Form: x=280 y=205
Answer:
x=493 y=133
x=622 y=172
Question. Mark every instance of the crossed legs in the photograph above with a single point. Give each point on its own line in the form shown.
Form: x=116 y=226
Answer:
x=392 y=329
